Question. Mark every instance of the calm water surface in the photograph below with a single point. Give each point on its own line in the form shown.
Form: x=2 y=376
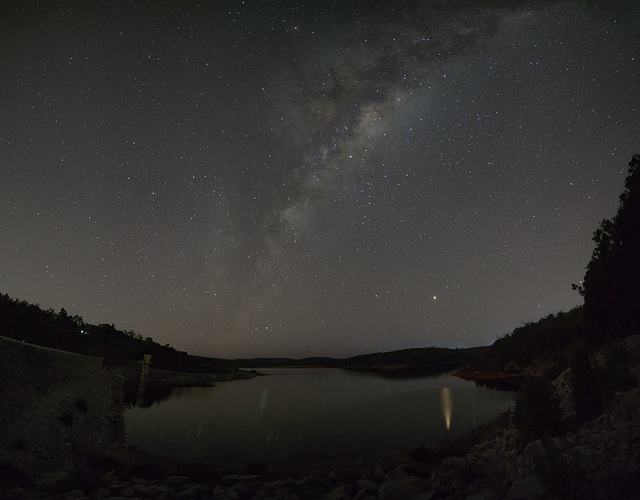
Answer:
x=308 y=415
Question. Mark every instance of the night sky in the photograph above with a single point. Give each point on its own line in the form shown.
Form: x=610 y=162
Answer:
x=244 y=179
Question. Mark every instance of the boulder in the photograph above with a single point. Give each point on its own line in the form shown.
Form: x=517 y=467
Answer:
x=339 y=493
x=534 y=454
x=153 y=490
x=527 y=489
x=198 y=491
x=52 y=480
x=348 y=471
x=177 y=480
x=402 y=487
x=366 y=483
x=73 y=494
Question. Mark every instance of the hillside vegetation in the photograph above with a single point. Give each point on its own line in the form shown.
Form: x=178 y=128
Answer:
x=610 y=289
x=572 y=364
x=27 y=322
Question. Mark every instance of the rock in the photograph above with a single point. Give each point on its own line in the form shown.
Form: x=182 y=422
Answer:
x=366 y=493
x=99 y=494
x=52 y=480
x=526 y=489
x=272 y=485
x=307 y=481
x=242 y=492
x=177 y=480
x=197 y=492
x=534 y=454
x=453 y=473
x=366 y=483
x=348 y=471
x=109 y=477
x=240 y=478
x=402 y=487
x=368 y=489
x=339 y=493
x=287 y=483
x=127 y=491
x=139 y=481
x=153 y=490
x=453 y=463
x=74 y=494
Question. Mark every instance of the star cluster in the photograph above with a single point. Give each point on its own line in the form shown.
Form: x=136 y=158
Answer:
x=275 y=179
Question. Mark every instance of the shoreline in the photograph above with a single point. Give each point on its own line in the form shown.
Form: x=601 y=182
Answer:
x=47 y=457
x=55 y=447
x=495 y=379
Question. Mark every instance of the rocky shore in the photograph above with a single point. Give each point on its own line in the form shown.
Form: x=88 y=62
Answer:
x=55 y=446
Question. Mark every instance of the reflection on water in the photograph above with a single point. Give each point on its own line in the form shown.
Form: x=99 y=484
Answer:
x=447 y=406
x=309 y=416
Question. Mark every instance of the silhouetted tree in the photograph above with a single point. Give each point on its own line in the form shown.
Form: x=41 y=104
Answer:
x=611 y=284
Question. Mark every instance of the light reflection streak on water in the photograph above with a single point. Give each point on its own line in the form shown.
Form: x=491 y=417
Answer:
x=263 y=399
x=447 y=406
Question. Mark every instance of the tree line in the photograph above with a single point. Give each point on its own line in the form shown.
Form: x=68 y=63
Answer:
x=28 y=322
x=610 y=288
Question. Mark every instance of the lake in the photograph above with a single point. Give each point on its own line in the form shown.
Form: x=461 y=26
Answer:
x=310 y=415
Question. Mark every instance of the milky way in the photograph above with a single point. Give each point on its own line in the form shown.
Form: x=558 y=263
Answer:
x=254 y=179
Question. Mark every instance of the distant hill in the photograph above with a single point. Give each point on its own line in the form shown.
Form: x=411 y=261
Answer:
x=414 y=362
x=402 y=363
x=318 y=361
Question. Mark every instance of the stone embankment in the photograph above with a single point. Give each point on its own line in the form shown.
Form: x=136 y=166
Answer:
x=54 y=404
x=28 y=372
